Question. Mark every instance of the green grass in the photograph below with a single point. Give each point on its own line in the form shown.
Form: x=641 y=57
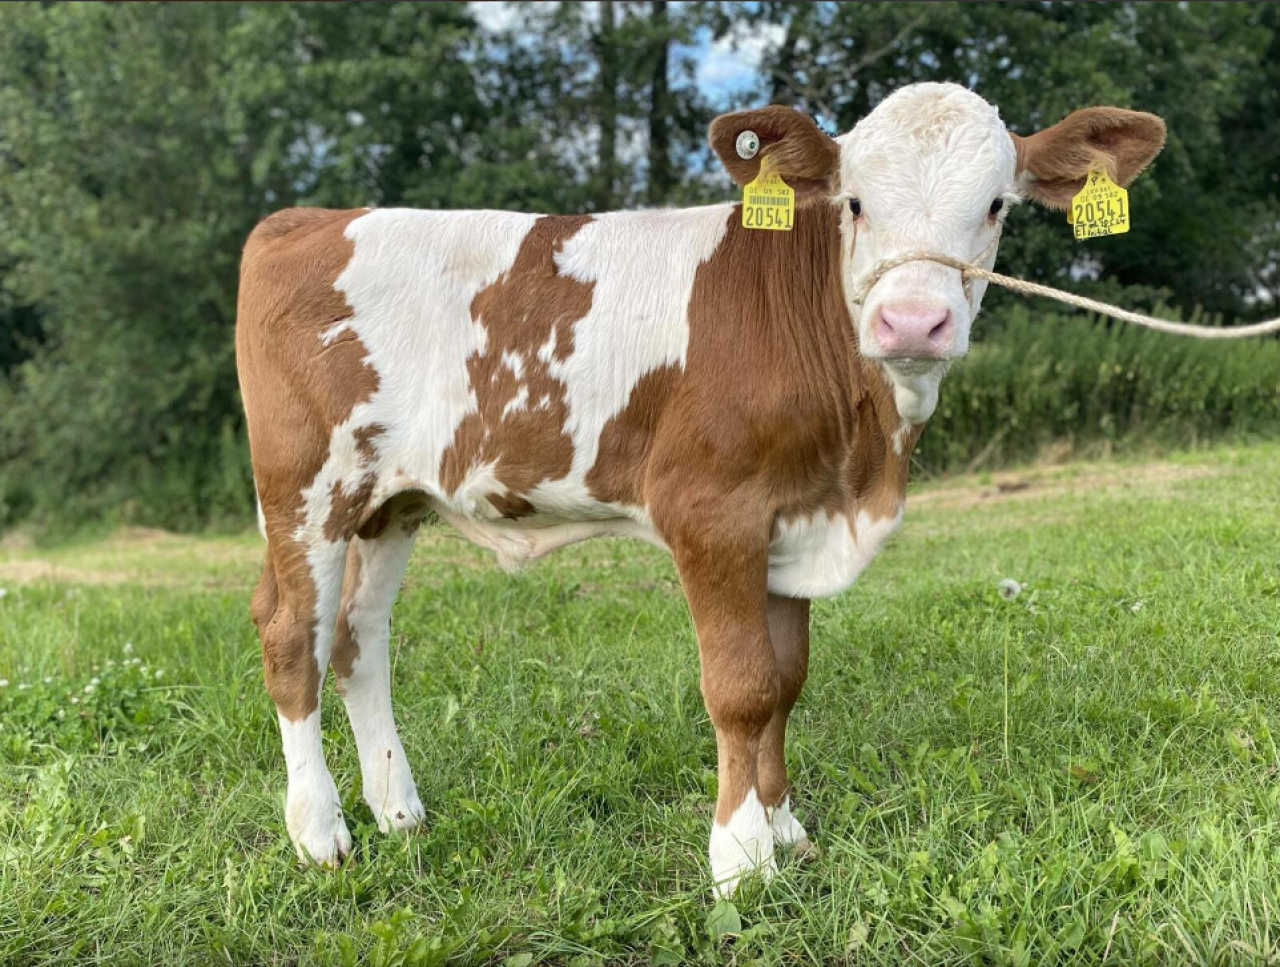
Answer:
x=1084 y=774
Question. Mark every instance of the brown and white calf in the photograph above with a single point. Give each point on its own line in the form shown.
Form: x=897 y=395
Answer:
x=538 y=380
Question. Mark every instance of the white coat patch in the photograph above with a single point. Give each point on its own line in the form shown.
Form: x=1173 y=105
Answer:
x=822 y=554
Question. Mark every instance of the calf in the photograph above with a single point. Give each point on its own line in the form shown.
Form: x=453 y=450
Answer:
x=536 y=380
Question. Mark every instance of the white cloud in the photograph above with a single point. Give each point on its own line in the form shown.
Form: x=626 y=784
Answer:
x=732 y=62
x=499 y=16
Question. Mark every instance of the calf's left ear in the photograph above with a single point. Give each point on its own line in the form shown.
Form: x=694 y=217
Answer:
x=1053 y=163
x=807 y=159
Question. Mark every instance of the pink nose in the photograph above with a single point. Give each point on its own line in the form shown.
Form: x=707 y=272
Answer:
x=914 y=329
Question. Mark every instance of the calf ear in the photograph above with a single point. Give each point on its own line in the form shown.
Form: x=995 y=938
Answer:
x=807 y=159
x=1053 y=163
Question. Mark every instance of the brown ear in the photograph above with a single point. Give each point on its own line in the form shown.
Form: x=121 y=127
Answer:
x=1053 y=163
x=807 y=159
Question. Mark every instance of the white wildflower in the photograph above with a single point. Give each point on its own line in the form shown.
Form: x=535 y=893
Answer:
x=1009 y=588
x=88 y=689
x=111 y=663
x=75 y=699
x=159 y=673
x=95 y=680
x=3 y=592
x=128 y=647
x=4 y=683
x=48 y=679
x=23 y=686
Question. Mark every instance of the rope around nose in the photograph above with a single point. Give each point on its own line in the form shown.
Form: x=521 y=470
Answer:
x=969 y=270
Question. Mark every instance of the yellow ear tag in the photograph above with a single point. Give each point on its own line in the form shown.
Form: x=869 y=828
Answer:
x=1100 y=208
x=768 y=202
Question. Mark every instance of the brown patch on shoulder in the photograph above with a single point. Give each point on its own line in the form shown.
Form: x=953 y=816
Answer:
x=522 y=311
x=296 y=389
x=617 y=476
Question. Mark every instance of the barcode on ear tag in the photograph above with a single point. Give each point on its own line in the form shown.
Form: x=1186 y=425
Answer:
x=768 y=202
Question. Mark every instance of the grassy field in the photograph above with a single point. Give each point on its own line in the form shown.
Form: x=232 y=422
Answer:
x=1085 y=773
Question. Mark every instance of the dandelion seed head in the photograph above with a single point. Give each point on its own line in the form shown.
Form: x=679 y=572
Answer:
x=1009 y=588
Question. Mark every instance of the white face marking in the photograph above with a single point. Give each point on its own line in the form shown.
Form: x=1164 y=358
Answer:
x=741 y=846
x=926 y=166
x=821 y=555
x=313 y=810
x=387 y=779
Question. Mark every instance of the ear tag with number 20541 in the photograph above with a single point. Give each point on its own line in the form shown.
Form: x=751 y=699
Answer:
x=1100 y=208
x=768 y=202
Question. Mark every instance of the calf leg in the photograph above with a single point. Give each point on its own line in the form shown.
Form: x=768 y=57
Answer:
x=789 y=634
x=294 y=608
x=375 y=567
x=725 y=587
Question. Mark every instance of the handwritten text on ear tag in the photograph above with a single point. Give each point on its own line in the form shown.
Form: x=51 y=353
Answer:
x=768 y=202
x=1100 y=208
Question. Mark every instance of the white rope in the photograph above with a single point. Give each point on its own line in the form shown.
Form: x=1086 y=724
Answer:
x=970 y=271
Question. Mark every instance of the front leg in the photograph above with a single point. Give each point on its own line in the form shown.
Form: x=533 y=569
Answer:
x=723 y=567
x=789 y=634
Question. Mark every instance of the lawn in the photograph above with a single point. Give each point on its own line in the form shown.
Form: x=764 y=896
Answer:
x=1085 y=772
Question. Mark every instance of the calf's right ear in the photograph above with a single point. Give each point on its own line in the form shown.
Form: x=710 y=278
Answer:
x=807 y=159
x=1054 y=163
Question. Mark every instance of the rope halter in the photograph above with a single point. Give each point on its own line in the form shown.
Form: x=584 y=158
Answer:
x=968 y=270
x=971 y=270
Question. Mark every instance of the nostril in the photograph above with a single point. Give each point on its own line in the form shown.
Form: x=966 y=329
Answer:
x=941 y=330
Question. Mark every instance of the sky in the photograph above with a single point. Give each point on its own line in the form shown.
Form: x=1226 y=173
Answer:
x=726 y=68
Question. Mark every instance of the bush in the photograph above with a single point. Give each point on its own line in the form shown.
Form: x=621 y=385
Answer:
x=1036 y=379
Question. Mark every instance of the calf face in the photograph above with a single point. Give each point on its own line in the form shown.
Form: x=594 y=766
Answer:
x=931 y=169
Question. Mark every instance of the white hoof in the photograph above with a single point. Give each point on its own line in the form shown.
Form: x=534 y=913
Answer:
x=390 y=792
x=313 y=816
x=742 y=847
x=788 y=834
x=399 y=815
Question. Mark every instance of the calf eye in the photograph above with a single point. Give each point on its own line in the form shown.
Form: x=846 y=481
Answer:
x=855 y=206
x=996 y=206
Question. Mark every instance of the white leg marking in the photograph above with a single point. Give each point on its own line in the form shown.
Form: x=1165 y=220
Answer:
x=787 y=831
x=742 y=846
x=388 y=781
x=313 y=811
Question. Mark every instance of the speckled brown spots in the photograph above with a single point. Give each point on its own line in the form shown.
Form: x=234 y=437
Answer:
x=529 y=314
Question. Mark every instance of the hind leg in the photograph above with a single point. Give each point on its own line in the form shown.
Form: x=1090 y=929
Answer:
x=375 y=567
x=295 y=607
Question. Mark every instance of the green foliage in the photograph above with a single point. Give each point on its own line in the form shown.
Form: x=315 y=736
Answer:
x=139 y=143
x=1112 y=799
x=1039 y=379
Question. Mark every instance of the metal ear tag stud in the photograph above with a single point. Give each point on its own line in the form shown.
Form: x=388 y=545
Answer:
x=748 y=145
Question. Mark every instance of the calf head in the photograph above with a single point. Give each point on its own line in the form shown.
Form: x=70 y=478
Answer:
x=931 y=169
